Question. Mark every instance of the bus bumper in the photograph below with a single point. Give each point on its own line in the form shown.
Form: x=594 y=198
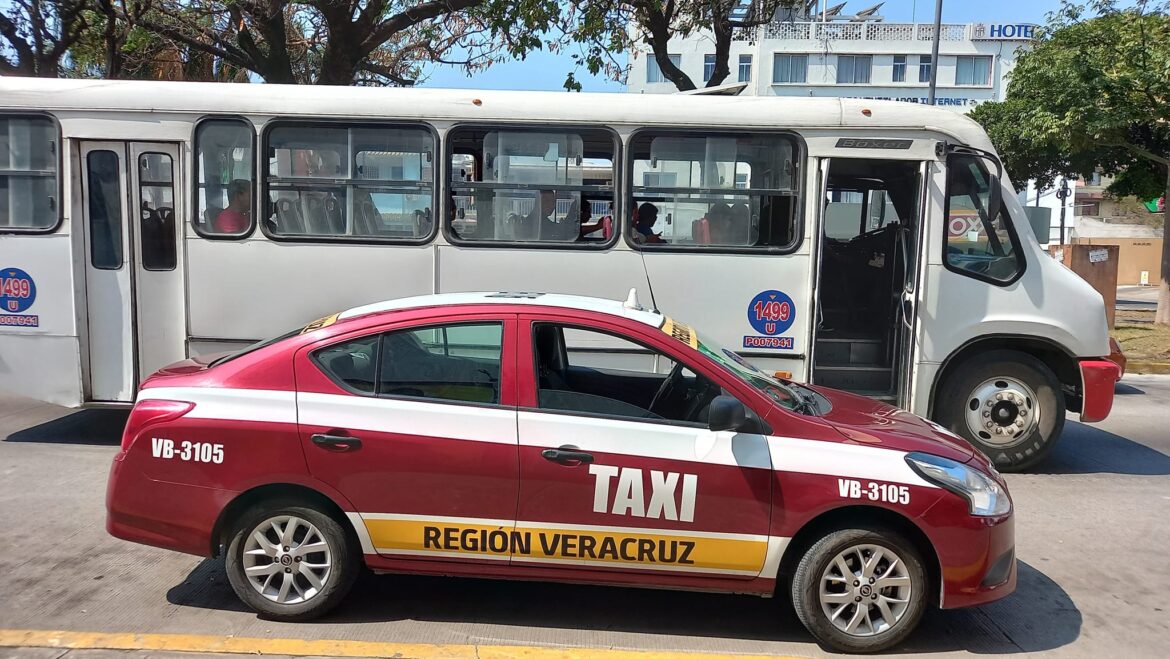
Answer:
x=1097 y=379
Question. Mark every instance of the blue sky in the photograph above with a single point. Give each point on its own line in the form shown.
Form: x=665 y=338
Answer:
x=546 y=71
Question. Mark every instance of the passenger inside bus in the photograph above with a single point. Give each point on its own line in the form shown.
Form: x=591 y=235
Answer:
x=644 y=223
x=235 y=218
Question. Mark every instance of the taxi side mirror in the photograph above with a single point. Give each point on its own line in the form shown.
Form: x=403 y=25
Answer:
x=726 y=413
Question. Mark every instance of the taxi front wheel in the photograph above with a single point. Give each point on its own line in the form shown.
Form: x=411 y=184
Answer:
x=860 y=590
x=290 y=562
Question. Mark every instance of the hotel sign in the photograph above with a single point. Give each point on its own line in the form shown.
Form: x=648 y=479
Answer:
x=1005 y=31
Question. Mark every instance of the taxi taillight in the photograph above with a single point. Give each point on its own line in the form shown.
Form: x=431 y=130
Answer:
x=150 y=412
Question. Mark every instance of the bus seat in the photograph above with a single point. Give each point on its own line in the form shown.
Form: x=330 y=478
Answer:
x=334 y=215
x=701 y=231
x=316 y=220
x=288 y=217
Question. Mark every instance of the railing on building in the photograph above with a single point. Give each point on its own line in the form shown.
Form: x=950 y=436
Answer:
x=842 y=31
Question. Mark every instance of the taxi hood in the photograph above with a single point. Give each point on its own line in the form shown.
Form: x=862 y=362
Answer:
x=868 y=421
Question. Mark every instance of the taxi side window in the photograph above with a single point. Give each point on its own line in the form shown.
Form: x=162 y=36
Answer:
x=352 y=364
x=444 y=362
x=593 y=373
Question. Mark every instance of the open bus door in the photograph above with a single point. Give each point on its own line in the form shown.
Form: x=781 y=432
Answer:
x=134 y=308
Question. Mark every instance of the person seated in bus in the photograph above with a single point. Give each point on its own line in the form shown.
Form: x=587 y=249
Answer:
x=644 y=225
x=741 y=225
x=588 y=227
x=719 y=219
x=235 y=218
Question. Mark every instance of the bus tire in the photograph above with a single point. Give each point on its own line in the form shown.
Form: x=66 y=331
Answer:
x=860 y=590
x=1007 y=403
x=290 y=562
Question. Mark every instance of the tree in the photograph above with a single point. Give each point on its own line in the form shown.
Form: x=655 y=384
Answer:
x=38 y=34
x=1093 y=93
x=606 y=29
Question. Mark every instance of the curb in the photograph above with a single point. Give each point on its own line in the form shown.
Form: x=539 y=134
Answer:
x=1136 y=366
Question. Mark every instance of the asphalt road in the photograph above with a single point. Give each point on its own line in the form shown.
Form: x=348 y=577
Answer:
x=1092 y=535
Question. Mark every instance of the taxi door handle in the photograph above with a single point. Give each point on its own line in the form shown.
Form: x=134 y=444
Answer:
x=339 y=443
x=567 y=455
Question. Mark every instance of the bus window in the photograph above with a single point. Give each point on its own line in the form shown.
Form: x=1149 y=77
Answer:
x=28 y=174
x=347 y=182
x=544 y=186
x=156 y=190
x=224 y=180
x=980 y=241
x=714 y=191
x=103 y=174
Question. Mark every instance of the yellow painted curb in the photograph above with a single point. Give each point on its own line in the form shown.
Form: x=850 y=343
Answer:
x=319 y=648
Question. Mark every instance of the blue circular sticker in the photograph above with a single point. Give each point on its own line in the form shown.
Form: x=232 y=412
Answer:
x=17 y=290
x=771 y=312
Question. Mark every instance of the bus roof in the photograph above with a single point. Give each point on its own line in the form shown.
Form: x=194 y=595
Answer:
x=571 y=302
x=755 y=112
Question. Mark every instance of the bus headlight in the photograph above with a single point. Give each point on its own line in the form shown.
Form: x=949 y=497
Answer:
x=985 y=497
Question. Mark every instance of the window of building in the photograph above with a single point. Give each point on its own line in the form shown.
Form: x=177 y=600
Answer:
x=980 y=240
x=28 y=174
x=788 y=69
x=224 y=177
x=156 y=191
x=973 y=70
x=708 y=67
x=853 y=69
x=899 y=72
x=730 y=190
x=536 y=186
x=745 y=68
x=103 y=177
x=592 y=373
x=654 y=72
x=350 y=182
x=924 y=68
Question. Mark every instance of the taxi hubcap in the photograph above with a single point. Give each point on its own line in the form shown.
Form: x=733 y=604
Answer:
x=287 y=559
x=1002 y=411
x=865 y=590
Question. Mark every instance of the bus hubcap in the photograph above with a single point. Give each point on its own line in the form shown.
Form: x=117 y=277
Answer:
x=1002 y=411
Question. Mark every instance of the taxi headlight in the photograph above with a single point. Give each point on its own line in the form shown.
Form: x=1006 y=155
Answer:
x=985 y=497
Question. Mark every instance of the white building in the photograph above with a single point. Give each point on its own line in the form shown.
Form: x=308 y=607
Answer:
x=851 y=56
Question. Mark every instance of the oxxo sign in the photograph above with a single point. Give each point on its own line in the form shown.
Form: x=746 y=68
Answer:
x=1021 y=31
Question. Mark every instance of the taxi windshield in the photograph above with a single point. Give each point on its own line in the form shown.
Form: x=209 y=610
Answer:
x=784 y=394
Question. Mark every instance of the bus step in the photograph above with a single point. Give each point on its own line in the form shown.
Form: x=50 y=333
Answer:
x=854 y=378
x=849 y=352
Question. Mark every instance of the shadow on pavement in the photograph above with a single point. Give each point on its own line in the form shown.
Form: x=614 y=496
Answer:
x=82 y=427
x=1122 y=389
x=1085 y=449
x=1039 y=616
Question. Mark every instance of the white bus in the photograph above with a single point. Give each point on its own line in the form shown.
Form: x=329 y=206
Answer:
x=865 y=245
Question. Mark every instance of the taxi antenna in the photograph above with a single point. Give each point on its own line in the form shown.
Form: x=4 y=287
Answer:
x=646 y=271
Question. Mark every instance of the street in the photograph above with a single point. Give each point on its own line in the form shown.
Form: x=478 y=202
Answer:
x=1090 y=524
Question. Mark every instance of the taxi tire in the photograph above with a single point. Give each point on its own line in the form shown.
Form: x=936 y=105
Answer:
x=806 y=588
x=346 y=563
x=952 y=402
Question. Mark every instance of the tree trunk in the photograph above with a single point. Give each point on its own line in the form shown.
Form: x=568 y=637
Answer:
x=1162 y=316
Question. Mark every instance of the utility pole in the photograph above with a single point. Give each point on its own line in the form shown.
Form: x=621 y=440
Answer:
x=1062 y=194
x=934 y=49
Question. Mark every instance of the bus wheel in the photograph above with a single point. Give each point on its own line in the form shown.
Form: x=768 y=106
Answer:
x=290 y=562
x=1008 y=404
x=860 y=590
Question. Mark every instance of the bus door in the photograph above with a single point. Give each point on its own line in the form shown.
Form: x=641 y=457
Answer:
x=870 y=237
x=135 y=307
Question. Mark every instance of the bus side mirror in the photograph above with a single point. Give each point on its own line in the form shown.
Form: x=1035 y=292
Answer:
x=726 y=413
x=994 y=199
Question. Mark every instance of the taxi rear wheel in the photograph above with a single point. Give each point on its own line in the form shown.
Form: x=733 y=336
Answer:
x=1008 y=404
x=860 y=590
x=290 y=562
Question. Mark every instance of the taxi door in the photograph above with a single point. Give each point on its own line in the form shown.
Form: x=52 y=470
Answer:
x=605 y=486
x=416 y=426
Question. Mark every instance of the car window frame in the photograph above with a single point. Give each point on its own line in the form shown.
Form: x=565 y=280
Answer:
x=507 y=372
x=529 y=382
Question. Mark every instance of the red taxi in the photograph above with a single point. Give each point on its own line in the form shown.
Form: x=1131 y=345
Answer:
x=539 y=436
